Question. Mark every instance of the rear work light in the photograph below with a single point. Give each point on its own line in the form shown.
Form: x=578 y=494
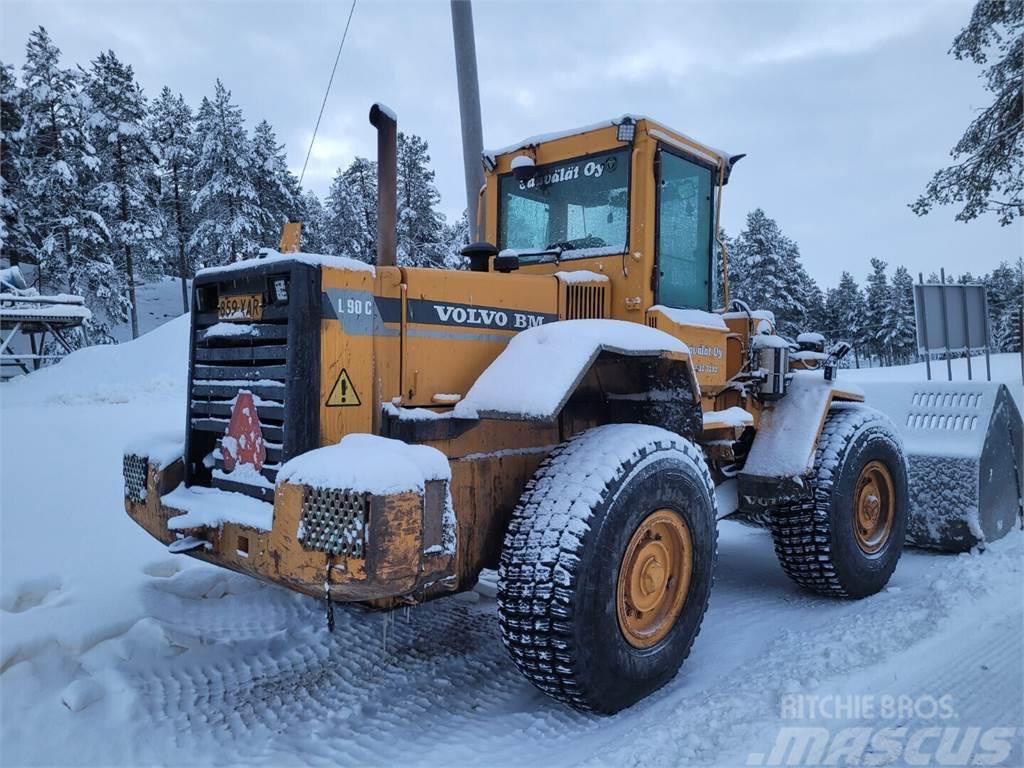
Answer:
x=279 y=290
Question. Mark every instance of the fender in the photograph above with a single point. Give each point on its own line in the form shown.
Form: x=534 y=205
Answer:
x=782 y=454
x=631 y=371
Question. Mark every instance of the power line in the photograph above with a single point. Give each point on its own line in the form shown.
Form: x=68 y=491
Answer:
x=327 y=92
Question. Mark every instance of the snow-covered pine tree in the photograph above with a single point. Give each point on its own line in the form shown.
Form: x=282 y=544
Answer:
x=765 y=271
x=456 y=236
x=276 y=187
x=421 y=240
x=899 y=321
x=124 y=189
x=1005 y=288
x=57 y=165
x=228 y=216
x=311 y=214
x=170 y=127
x=988 y=175
x=845 y=310
x=350 y=216
x=11 y=193
x=878 y=299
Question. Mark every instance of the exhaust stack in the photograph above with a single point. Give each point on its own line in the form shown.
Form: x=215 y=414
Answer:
x=386 y=123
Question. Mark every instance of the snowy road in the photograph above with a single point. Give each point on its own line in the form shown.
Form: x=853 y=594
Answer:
x=114 y=652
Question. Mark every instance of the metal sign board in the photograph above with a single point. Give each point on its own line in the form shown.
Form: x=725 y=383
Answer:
x=950 y=318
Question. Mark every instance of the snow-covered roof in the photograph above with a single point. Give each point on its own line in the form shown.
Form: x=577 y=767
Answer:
x=538 y=370
x=313 y=259
x=661 y=135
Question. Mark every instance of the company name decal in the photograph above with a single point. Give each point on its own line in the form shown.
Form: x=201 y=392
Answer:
x=466 y=315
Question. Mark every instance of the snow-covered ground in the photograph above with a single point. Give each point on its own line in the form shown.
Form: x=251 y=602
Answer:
x=114 y=652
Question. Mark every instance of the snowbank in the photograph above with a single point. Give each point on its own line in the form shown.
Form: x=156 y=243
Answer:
x=155 y=364
x=539 y=368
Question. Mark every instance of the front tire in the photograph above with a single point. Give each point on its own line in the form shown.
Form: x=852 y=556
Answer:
x=846 y=536
x=607 y=566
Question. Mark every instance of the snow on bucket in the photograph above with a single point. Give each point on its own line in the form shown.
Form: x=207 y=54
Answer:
x=963 y=446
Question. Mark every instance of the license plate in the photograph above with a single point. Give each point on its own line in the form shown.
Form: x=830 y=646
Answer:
x=240 y=307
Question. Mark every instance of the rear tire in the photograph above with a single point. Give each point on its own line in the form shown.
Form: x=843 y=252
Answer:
x=618 y=498
x=846 y=536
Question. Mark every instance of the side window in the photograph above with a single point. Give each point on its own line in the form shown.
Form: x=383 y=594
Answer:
x=684 y=233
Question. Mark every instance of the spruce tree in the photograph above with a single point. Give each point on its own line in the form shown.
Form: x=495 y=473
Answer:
x=171 y=129
x=456 y=237
x=58 y=165
x=228 y=216
x=900 y=324
x=350 y=215
x=878 y=303
x=12 y=233
x=845 y=311
x=766 y=273
x=276 y=187
x=420 y=227
x=124 y=189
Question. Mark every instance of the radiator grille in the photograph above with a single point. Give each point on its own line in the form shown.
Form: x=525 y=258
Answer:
x=334 y=521
x=135 y=470
x=584 y=301
x=229 y=358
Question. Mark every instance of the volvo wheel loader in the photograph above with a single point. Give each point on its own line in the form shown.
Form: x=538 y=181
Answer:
x=577 y=409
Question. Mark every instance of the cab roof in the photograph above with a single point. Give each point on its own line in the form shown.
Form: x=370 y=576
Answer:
x=657 y=130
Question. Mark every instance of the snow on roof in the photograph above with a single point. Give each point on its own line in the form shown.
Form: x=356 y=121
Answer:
x=492 y=154
x=368 y=464
x=313 y=259
x=540 y=367
x=46 y=312
x=581 y=276
x=212 y=507
x=692 y=317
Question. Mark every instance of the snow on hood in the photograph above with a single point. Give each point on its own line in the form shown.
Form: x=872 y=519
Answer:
x=540 y=367
x=368 y=464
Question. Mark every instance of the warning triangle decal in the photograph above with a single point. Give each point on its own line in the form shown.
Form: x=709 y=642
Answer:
x=343 y=393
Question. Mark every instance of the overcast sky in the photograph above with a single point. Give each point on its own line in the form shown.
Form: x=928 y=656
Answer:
x=844 y=109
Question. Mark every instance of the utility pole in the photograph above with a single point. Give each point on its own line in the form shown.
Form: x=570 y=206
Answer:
x=469 y=110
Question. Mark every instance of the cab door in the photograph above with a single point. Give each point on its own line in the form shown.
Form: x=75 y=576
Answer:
x=683 y=231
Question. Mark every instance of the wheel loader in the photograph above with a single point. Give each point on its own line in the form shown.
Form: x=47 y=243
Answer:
x=577 y=409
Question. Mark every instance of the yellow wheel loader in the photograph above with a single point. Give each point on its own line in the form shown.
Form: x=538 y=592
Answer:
x=577 y=409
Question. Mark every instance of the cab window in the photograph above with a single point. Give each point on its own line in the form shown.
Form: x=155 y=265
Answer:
x=579 y=206
x=684 y=232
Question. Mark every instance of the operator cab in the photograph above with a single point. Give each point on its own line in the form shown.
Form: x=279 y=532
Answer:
x=628 y=198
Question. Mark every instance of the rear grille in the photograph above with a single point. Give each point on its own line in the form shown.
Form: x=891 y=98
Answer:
x=584 y=301
x=231 y=357
x=135 y=477
x=334 y=521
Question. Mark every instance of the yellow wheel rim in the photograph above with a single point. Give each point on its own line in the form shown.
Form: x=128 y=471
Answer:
x=654 y=577
x=874 y=510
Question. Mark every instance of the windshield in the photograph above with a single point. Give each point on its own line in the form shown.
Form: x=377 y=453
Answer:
x=579 y=206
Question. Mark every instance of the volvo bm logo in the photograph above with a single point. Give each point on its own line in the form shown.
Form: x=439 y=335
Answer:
x=449 y=314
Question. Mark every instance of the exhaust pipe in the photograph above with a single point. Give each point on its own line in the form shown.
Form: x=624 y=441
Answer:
x=386 y=123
